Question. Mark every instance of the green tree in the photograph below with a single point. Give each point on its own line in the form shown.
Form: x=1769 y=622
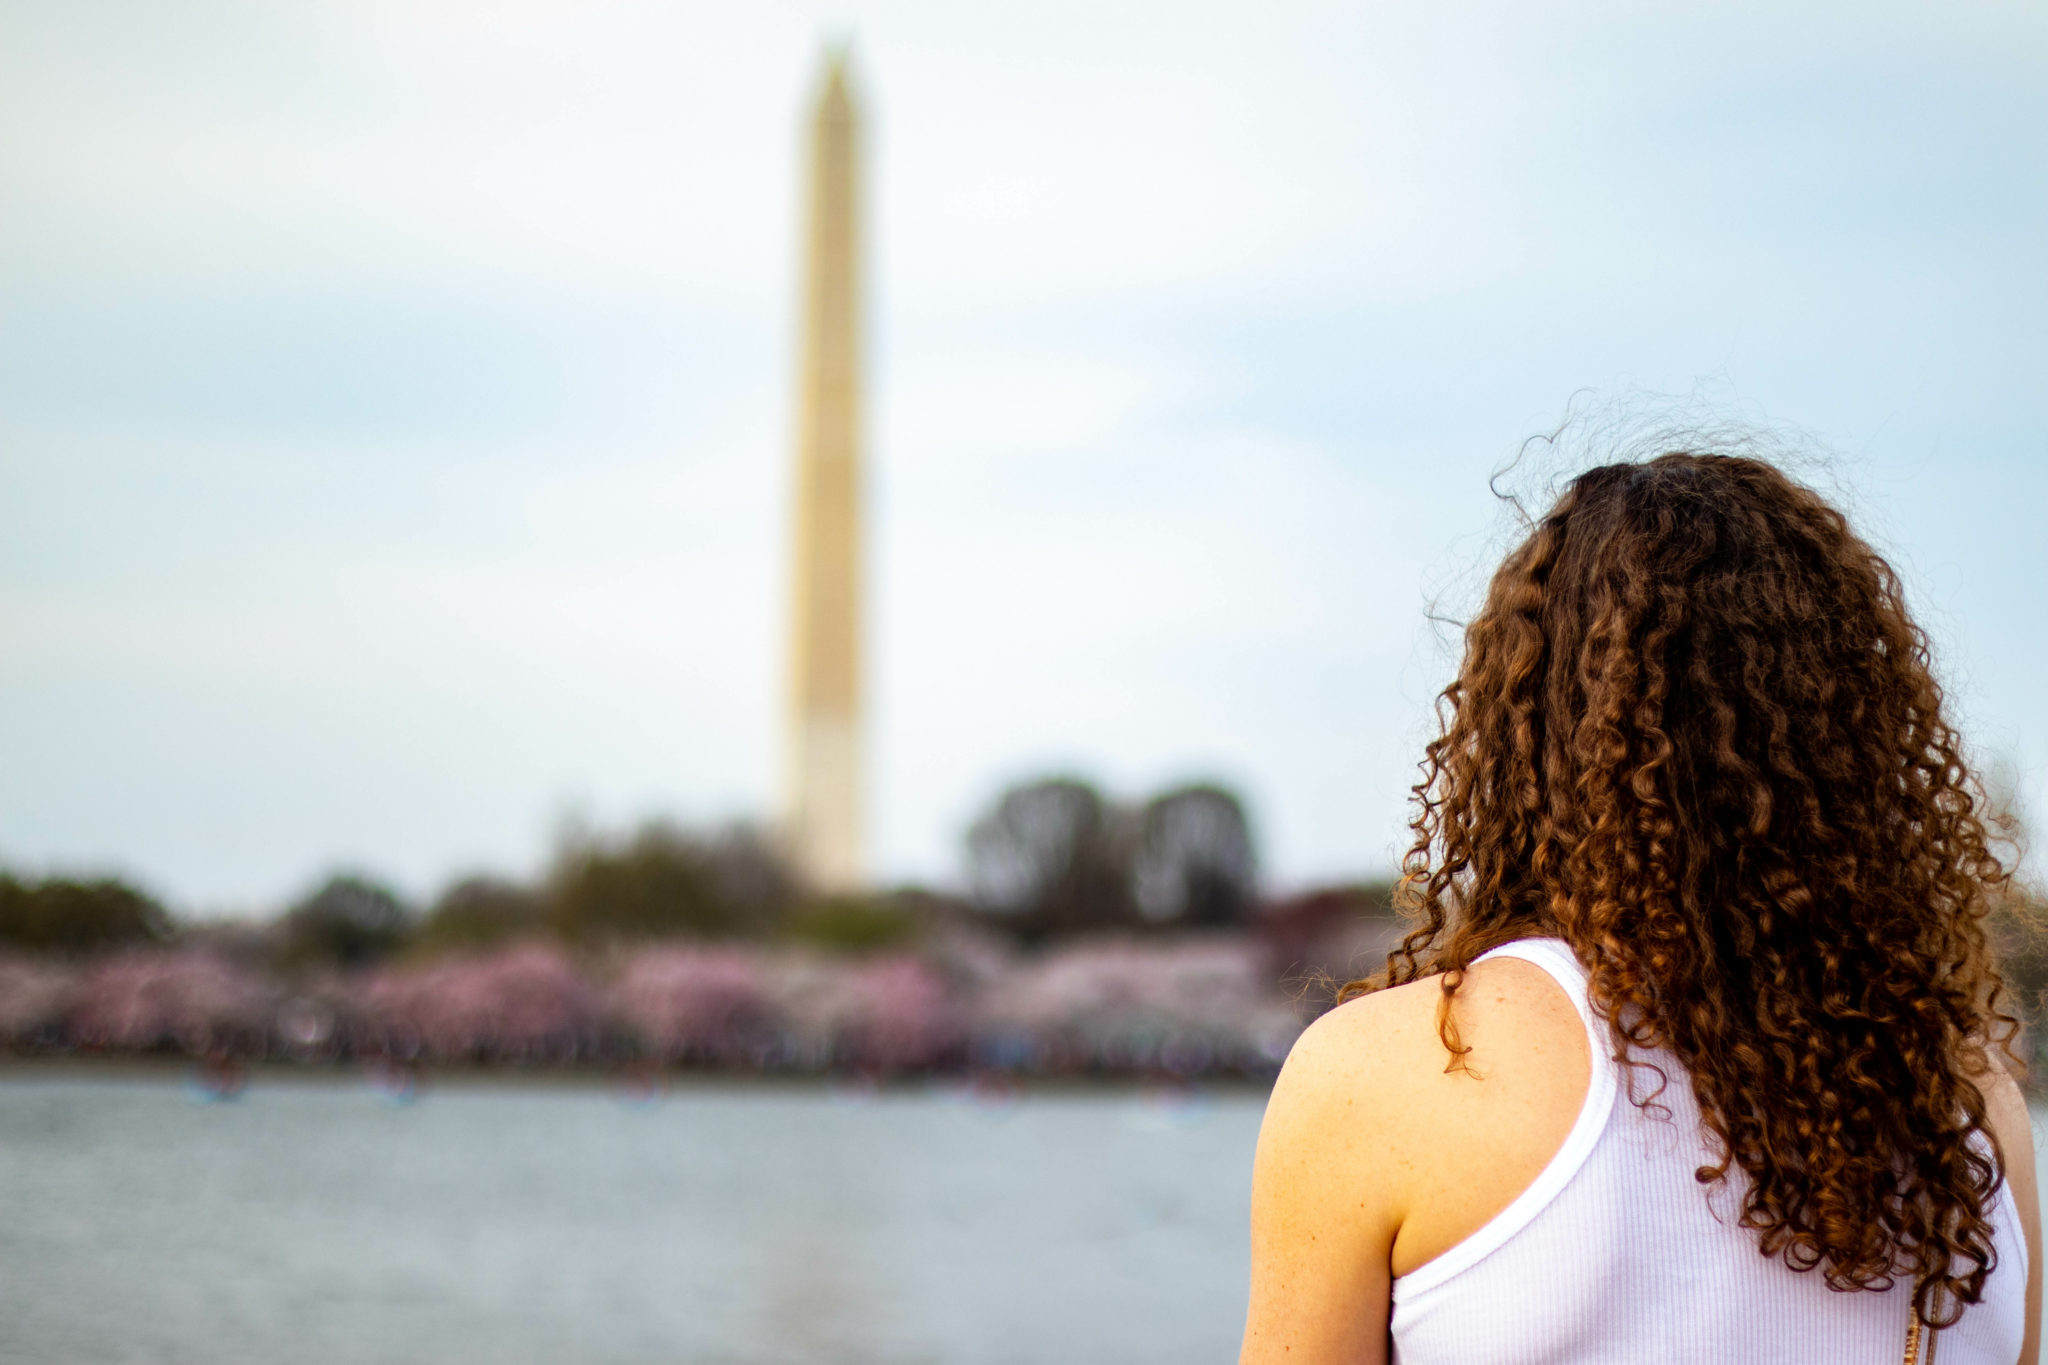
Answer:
x=62 y=915
x=349 y=921
x=665 y=881
x=655 y=884
x=1052 y=858
x=478 y=912
x=852 y=924
x=1195 y=865
x=751 y=877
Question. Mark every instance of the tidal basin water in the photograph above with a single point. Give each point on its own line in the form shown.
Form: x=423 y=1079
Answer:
x=321 y=1223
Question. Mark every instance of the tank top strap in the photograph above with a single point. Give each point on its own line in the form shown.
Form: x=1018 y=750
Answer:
x=1555 y=958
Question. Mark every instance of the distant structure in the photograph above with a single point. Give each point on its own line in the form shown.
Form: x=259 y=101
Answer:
x=822 y=793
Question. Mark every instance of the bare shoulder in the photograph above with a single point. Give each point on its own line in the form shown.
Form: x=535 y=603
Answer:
x=1381 y=1060
x=1346 y=1082
x=1334 y=1147
x=1372 y=1038
x=2012 y=1128
x=2005 y=1101
x=1376 y=1153
x=1502 y=1010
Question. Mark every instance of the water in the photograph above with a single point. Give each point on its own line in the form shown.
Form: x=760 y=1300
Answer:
x=321 y=1223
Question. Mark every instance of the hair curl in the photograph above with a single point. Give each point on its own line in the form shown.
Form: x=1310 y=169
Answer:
x=1696 y=735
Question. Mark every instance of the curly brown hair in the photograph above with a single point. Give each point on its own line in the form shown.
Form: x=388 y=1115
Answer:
x=1696 y=735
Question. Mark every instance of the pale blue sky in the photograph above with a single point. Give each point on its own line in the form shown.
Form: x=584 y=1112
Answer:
x=394 y=398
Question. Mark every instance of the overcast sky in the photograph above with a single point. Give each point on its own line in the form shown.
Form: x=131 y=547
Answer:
x=395 y=399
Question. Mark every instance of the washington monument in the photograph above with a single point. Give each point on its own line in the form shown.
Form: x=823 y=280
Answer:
x=822 y=792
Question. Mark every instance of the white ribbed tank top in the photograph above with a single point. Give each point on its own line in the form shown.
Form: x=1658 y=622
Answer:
x=1616 y=1255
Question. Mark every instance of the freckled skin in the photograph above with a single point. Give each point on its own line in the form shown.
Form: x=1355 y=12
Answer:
x=1374 y=1158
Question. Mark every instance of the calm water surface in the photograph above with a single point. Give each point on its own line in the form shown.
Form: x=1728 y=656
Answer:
x=318 y=1223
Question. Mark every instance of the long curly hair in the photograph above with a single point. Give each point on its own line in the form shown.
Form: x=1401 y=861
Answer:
x=1696 y=735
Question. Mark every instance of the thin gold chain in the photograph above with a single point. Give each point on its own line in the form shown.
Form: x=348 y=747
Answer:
x=1918 y=1339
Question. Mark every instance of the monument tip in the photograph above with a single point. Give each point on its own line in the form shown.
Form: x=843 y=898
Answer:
x=838 y=60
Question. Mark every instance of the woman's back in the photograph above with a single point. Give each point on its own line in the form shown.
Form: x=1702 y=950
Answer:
x=1520 y=1206
x=1695 y=735
x=1617 y=1253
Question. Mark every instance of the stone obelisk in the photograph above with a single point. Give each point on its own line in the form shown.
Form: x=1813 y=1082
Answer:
x=822 y=795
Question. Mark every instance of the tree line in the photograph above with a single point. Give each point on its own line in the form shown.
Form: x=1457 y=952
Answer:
x=1049 y=859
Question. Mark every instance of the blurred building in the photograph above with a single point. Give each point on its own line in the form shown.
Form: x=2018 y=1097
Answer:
x=822 y=794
